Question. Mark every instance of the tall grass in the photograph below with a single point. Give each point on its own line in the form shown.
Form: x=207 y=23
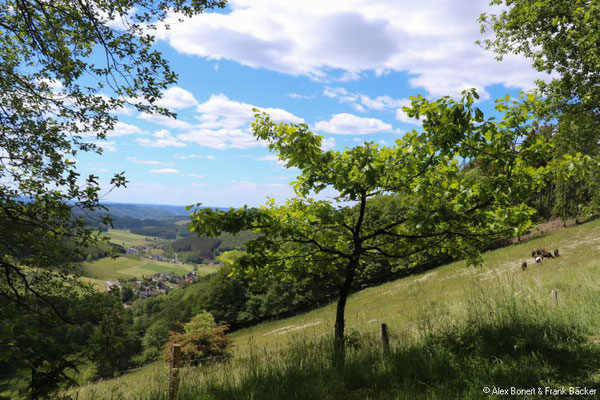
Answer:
x=506 y=335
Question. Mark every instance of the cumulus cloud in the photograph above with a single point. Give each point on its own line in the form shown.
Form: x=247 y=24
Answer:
x=300 y=96
x=361 y=102
x=176 y=98
x=430 y=40
x=220 y=123
x=221 y=112
x=350 y=124
x=161 y=138
x=168 y=122
x=223 y=123
x=221 y=139
x=122 y=129
x=402 y=117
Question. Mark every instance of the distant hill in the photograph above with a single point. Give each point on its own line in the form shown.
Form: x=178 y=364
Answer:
x=145 y=211
x=149 y=211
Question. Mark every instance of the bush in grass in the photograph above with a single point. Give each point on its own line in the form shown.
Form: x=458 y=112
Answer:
x=202 y=341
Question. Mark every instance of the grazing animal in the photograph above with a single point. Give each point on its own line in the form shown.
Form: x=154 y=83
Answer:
x=556 y=253
x=524 y=265
x=546 y=254
x=538 y=252
x=533 y=253
x=538 y=260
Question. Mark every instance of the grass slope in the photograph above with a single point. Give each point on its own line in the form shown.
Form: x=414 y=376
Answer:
x=129 y=266
x=454 y=330
x=446 y=289
x=127 y=239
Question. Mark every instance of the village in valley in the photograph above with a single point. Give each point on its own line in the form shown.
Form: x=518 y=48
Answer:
x=141 y=286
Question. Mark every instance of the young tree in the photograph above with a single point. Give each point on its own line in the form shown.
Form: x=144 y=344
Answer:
x=202 y=340
x=392 y=203
x=112 y=344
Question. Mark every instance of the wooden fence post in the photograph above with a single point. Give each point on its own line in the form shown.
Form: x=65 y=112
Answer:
x=554 y=297
x=174 y=363
x=385 y=338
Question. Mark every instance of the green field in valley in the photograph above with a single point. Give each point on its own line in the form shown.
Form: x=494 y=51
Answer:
x=129 y=266
x=441 y=300
x=127 y=239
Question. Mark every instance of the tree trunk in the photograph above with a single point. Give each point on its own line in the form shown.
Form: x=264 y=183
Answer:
x=341 y=308
x=353 y=264
x=340 y=324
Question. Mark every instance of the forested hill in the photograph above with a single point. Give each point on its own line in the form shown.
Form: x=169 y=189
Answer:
x=147 y=211
x=164 y=221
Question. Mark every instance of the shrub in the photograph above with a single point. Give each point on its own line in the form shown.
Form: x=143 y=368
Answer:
x=201 y=347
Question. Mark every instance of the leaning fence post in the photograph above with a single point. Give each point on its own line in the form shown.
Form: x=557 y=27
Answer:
x=554 y=297
x=174 y=361
x=385 y=338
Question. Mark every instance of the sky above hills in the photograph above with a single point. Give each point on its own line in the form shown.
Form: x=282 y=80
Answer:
x=344 y=67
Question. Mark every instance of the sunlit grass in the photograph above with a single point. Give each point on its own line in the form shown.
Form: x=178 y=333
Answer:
x=127 y=239
x=453 y=330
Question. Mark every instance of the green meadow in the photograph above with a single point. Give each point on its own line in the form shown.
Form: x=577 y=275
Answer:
x=129 y=266
x=454 y=331
x=127 y=239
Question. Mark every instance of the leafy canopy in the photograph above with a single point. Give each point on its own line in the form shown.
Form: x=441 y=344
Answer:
x=431 y=199
x=395 y=203
x=561 y=37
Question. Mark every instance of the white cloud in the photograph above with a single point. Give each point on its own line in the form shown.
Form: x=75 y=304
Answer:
x=402 y=117
x=221 y=139
x=350 y=124
x=362 y=102
x=382 y=102
x=221 y=123
x=165 y=121
x=176 y=98
x=161 y=138
x=341 y=95
x=221 y=112
x=300 y=96
x=122 y=129
x=195 y=175
x=431 y=40
x=148 y=162
x=224 y=123
x=165 y=171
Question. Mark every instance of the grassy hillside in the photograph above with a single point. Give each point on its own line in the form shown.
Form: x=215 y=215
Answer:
x=127 y=239
x=132 y=266
x=454 y=330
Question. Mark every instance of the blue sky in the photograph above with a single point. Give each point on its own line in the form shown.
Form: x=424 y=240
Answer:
x=344 y=67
